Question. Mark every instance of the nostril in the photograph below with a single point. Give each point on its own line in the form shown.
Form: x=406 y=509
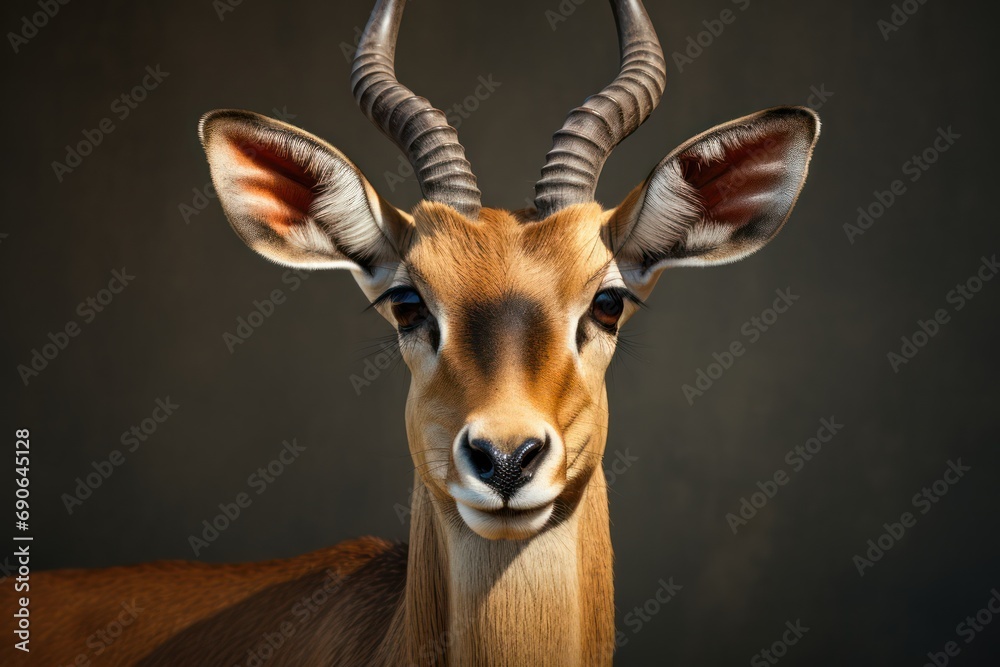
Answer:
x=529 y=452
x=481 y=461
x=504 y=472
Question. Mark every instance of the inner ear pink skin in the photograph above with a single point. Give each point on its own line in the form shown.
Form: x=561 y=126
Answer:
x=508 y=341
x=288 y=189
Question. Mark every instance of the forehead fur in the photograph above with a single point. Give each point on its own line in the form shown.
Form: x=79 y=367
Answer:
x=509 y=290
x=501 y=254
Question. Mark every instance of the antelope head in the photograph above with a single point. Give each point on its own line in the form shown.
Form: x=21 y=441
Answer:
x=508 y=320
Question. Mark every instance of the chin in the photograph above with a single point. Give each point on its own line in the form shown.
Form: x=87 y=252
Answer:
x=505 y=524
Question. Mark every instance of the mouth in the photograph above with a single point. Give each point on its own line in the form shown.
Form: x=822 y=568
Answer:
x=505 y=523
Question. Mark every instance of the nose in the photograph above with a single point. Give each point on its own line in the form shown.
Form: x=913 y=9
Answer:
x=503 y=472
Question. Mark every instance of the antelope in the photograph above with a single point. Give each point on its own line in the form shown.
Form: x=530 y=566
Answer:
x=507 y=321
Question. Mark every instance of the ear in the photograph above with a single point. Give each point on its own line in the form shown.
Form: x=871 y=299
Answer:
x=297 y=200
x=718 y=198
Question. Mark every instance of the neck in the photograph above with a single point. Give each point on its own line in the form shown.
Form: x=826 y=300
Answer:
x=547 y=600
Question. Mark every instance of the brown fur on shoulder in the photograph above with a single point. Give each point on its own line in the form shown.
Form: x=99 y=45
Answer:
x=188 y=613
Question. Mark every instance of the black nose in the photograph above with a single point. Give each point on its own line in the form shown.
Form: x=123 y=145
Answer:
x=505 y=473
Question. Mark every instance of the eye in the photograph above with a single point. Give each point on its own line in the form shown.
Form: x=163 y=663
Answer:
x=608 y=307
x=408 y=308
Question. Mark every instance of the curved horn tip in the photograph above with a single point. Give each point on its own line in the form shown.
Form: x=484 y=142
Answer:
x=411 y=122
x=586 y=137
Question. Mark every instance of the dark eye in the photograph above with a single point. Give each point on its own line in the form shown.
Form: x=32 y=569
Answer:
x=408 y=308
x=607 y=308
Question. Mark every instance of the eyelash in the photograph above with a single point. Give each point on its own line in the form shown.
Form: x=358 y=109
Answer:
x=390 y=293
x=625 y=293
x=425 y=319
x=620 y=294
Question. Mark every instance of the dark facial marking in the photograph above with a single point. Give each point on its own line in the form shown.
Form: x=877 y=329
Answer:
x=513 y=324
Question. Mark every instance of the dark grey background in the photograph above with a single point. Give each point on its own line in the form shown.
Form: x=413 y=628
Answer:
x=825 y=357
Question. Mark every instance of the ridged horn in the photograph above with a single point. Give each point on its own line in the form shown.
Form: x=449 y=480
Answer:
x=421 y=131
x=591 y=131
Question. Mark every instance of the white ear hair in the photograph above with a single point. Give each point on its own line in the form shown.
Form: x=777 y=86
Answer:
x=295 y=199
x=719 y=197
x=669 y=207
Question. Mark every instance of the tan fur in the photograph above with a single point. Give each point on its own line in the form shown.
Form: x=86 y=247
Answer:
x=69 y=606
x=454 y=598
x=548 y=600
x=514 y=351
